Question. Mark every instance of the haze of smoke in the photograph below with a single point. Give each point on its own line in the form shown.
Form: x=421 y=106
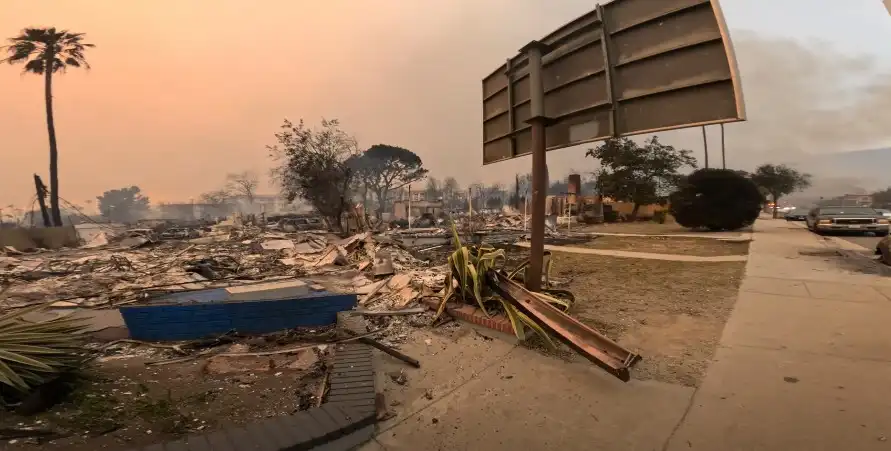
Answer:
x=805 y=103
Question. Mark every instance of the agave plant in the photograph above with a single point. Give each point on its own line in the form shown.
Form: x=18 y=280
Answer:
x=33 y=353
x=467 y=281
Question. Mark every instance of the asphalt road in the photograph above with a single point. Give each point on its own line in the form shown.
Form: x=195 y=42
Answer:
x=869 y=241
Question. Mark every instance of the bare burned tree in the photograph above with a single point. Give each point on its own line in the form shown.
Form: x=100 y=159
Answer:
x=216 y=198
x=314 y=166
x=243 y=184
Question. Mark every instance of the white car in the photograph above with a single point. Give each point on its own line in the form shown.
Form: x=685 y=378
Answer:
x=883 y=212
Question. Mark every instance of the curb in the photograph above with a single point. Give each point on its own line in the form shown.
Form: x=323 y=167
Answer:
x=855 y=251
x=317 y=428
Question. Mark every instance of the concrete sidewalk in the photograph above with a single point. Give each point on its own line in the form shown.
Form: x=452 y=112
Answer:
x=803 y=364
x=805 y=359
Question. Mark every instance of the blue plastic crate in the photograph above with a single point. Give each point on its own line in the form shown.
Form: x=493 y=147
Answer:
x=207 y=313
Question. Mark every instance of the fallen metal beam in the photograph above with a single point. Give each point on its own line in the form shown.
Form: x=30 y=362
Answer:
x=597 y=348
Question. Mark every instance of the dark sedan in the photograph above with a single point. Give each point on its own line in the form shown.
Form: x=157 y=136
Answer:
x=796 y=214
x=847 y=219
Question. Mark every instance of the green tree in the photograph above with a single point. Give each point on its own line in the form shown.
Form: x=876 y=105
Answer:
x=123 y=204
x=46 y=51
x=779 y=180
x=716 y=199
x=641 y=175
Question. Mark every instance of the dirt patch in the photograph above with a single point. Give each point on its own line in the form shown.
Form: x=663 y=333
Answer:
x=125 y=404
x=672 y=313
x=702 y=247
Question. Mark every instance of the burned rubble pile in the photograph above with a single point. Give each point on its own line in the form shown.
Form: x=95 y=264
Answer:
x=391 y=272
x=131 y=267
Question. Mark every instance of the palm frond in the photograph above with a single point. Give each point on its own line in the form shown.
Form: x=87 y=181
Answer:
x=467 y=281
x=32 y=353
x=34 y=47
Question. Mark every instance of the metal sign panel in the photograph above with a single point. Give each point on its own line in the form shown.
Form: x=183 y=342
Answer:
x=626 y=68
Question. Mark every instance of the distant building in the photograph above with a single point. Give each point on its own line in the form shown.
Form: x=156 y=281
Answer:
x=418 y=208
x=848 y=200
x=193 y=211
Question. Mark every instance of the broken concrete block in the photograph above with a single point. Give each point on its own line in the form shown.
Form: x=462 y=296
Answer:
x=282 y=289
x=399 y=282
x=273 y=245
x=334 y=255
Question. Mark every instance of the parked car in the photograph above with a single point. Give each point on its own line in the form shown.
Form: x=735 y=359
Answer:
x=822 y=220
x=796 y=214
x=884 y=212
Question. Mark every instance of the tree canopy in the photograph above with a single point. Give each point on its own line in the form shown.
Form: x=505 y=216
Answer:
x=383 y=168
x=716 y=199
x=779 y=180
x=641 y=175
x=123 y=204
x=42 y=48
x=882 y=199
x=313 y=165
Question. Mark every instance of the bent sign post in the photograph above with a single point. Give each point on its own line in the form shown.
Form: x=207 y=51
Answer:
x=628 y=67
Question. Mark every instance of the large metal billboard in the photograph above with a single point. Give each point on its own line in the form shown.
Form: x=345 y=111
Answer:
x=628 y=67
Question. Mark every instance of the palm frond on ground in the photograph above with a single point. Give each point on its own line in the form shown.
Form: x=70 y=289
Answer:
x=468 y=283
x=33 y=353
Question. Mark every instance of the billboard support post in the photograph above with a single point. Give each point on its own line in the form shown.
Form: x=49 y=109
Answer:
x=534 y=52
x=629 y=67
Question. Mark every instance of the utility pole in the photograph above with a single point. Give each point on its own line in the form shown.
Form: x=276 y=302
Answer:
x=705 y=146
x=41 y=200
x=723 y=155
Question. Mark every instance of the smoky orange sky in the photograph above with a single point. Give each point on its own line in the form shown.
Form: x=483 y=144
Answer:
x=183 y=92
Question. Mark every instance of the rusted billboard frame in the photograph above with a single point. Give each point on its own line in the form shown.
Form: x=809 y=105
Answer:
x=532 y=54
x=595 y=17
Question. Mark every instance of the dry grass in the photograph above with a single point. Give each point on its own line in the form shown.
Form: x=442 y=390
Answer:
x=672 y=313
x=642 y=227
x=703 y=247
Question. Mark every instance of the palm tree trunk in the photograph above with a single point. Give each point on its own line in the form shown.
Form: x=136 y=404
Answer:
x=54 y=151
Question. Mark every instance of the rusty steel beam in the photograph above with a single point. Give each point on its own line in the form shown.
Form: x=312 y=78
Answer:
x=597 y=348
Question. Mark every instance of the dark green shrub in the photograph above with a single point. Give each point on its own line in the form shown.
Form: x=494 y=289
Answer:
x=610 y=215
x=659 y=216
x=716 y=199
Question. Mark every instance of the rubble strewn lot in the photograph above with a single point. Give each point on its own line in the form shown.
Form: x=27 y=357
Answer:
x=123 y=402
x=700 y=247
x=670 y=312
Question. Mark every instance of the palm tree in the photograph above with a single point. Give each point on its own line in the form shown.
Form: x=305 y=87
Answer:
x=45 y=51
